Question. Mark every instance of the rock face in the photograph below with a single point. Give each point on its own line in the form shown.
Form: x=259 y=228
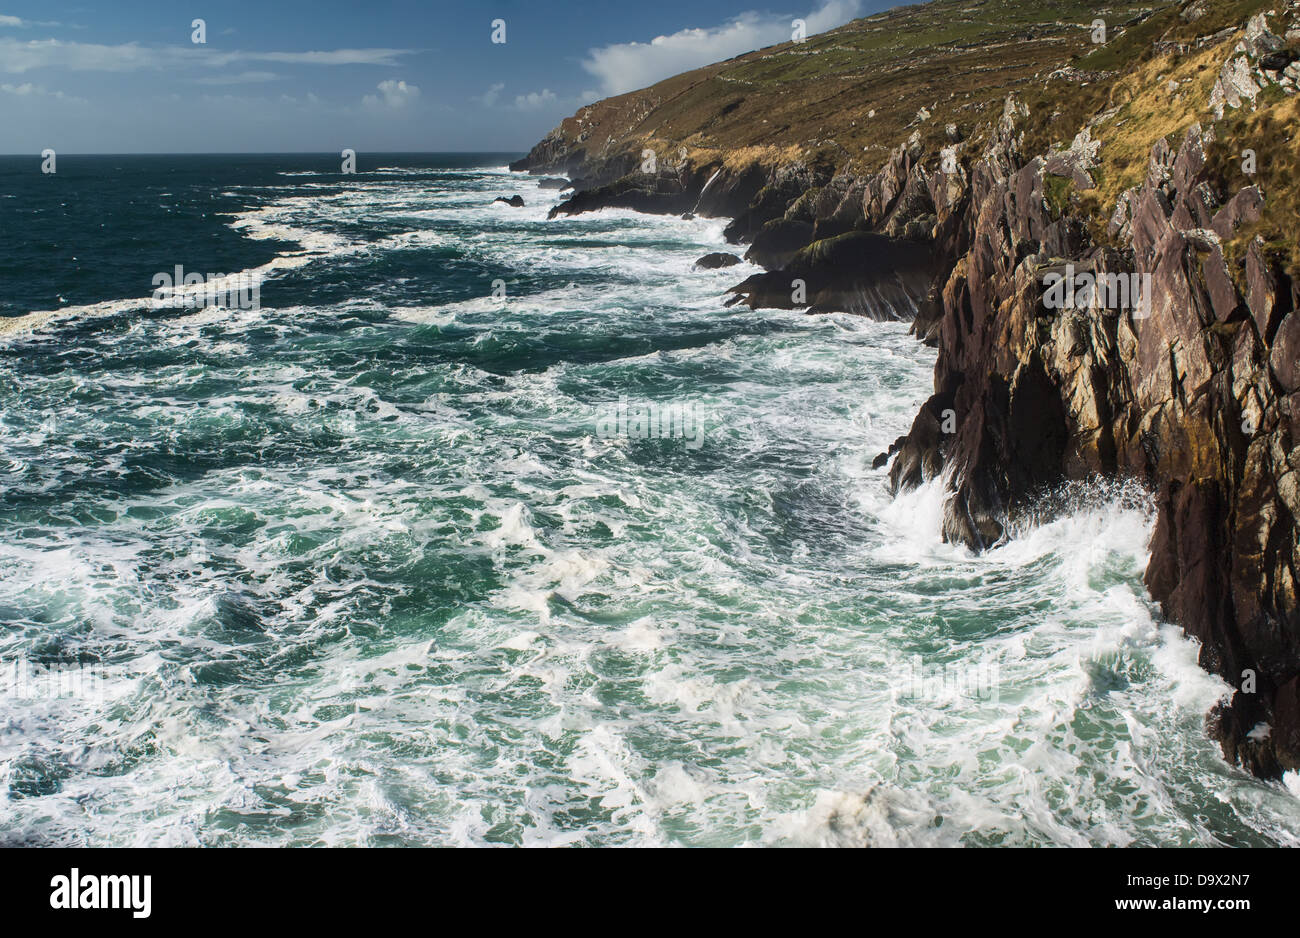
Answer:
x=1195 y=394
x=860 y=272
x=1163 y=346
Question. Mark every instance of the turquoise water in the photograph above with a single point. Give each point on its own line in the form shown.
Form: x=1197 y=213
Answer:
x=359 y=566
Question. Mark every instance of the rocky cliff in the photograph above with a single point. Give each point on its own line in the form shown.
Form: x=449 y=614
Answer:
x=1092 y=214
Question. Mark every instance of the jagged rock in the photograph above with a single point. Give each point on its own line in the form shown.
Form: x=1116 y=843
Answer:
x=1277 y=61
x=1075 y=162
x=1259 y=39
x=863 y=273
x=883 y=190
x=913 y=214
x=1244 y=208
x=728 y=194
x=1188 y=162
x=1285 y=356
x=1224 y=298
x=1119 y=226
x=658 y=194
x=1160 y=164
x=1261 y=292
x=516 y=200
x=778 y=241
x=716 y=260
x=920 y=452
x=1239 y=82
x=782 y=187
x=1235 y=86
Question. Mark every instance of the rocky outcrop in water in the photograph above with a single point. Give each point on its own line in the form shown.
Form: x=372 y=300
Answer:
x=830 y=243
x=717 y=260
x=859 y=272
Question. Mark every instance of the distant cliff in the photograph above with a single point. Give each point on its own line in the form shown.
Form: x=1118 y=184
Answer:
x=1100 y=237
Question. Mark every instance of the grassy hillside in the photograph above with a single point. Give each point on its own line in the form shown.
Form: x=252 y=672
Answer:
x=855 y=92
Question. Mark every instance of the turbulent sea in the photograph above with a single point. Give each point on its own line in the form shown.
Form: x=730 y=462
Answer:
x=360 y=566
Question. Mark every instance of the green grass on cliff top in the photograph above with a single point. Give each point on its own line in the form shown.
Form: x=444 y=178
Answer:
x=854 y=92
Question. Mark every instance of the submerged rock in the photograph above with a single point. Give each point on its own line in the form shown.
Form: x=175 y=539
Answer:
x=516 y=200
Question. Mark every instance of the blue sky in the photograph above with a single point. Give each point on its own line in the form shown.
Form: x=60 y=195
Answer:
x=373 y=75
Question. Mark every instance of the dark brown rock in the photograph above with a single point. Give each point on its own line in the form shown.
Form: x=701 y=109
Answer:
x=1284 y=357
x=716 y=260
x=778 y=241
x=1224 y=298
x=863 y=273
x=1242 y=209
x=1261 y=292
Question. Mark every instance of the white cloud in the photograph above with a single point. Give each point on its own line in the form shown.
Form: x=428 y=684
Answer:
x=489 y=97
x=832 y=13
x=17 y=56
x=29 y=90
x=242 y=78
x=333 y=57
x=535 y=100
x=18 y=22
x=393 y=94
x=627 y=66
x=544 y=100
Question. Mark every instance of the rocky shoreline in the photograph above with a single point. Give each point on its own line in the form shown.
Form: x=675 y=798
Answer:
x=1194 y=391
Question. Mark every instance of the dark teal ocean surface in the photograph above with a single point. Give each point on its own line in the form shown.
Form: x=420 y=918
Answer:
x=362 y=564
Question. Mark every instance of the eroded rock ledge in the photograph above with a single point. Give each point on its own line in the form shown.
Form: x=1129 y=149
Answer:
x=1196 y=394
